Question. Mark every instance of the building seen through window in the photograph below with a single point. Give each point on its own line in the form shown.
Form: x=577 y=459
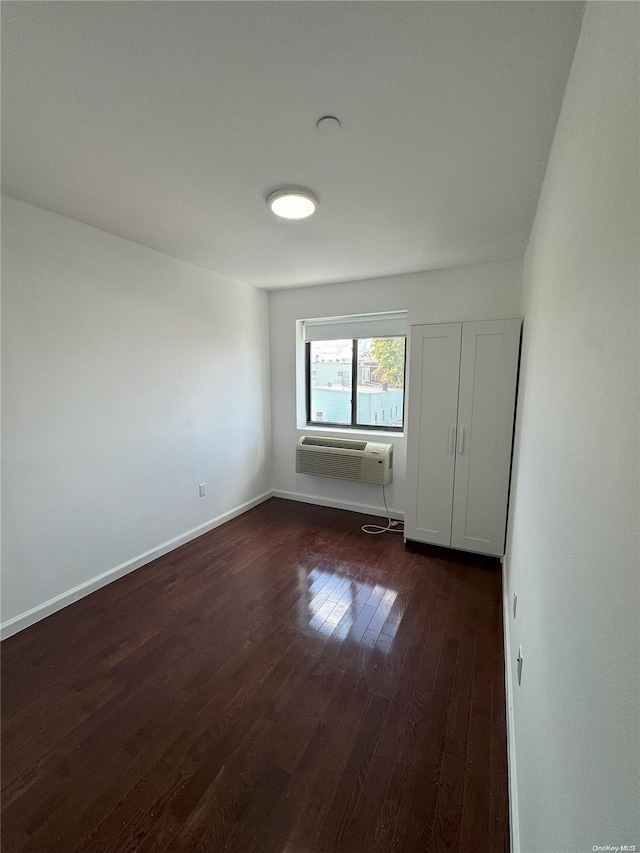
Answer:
x=378 y=366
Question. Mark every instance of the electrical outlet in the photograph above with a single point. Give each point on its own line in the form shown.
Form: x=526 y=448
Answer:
x=520 y=661
x=515 y=603
x=203 y=489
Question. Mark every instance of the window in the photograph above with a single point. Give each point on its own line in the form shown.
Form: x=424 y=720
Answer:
x=369 y=402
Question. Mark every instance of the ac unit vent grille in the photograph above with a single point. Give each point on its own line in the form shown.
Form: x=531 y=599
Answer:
x=347 y=467
x=345 y=443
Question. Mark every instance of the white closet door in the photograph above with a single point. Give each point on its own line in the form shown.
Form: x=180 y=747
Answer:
x=488 y=375
x=434 y=368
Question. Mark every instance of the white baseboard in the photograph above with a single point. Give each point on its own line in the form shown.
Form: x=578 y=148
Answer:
x=365 y=509
x=514 y=824
x=35 y=614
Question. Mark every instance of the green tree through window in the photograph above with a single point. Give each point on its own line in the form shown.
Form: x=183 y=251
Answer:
x=389 y=356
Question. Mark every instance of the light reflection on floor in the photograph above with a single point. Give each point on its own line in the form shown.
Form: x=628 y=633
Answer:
x=335 y=606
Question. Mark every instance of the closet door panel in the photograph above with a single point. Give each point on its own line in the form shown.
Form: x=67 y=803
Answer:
x=433 y=401
x=488 y=375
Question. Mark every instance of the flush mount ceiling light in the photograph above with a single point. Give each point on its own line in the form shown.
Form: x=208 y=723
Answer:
x=328 y=124
x=292 y=203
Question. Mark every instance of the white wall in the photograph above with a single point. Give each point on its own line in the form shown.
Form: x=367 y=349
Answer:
x=573 y=551
x=478 y=292
x=129 y=377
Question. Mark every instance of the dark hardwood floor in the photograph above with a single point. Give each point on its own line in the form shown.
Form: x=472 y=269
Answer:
x=283 y=683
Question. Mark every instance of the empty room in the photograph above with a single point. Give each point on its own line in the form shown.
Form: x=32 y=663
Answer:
x=320 y=426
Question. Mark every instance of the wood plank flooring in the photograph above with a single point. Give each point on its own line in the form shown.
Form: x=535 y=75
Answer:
x=283 y=684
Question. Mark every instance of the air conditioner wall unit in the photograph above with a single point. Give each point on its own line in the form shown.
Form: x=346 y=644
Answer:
x=360 y=461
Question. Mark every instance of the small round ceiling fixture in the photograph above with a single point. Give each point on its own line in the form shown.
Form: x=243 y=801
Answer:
x=328 y=124
x=292 y=202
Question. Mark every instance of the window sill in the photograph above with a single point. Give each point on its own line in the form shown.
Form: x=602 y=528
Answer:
x=373 y=433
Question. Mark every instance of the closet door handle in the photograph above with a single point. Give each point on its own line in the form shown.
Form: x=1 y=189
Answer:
x=461 y=440
x=452 y=439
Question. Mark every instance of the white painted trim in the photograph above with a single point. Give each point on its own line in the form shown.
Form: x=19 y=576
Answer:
x=514 y=823
x=361 y=432
x=365 y=509
x=35 y=614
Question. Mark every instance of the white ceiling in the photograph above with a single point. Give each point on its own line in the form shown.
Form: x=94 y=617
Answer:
x=168 y=124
